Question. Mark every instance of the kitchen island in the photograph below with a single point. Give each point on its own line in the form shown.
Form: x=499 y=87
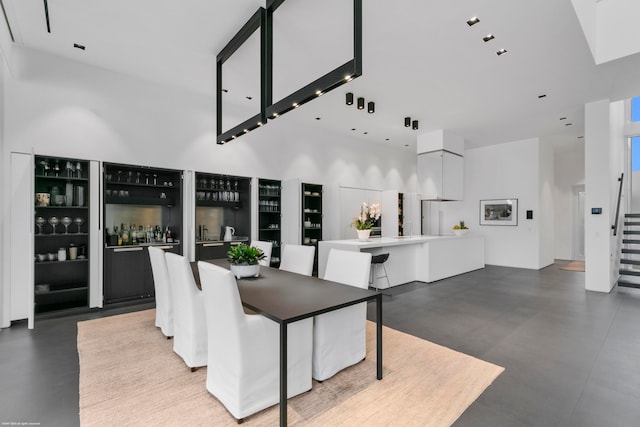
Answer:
x=421 y=258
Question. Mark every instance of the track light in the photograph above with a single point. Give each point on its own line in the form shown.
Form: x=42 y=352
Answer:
x=407 y=122
x=360 y=103
x=415 y=125
x=371 y=107
x=349 y=98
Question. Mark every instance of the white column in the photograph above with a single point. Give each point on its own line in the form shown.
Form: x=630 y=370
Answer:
x=604 y=146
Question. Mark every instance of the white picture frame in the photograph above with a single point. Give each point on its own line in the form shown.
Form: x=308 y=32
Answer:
x=499 y=212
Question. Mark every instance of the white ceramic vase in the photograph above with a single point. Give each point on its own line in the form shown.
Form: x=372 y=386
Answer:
x=240 y=271
x=461 y=232
x=363 y=235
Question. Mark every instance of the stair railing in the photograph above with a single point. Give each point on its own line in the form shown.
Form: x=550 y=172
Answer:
x=614 y=227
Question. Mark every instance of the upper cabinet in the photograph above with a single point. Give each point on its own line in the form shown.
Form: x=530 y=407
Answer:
x=440 y=165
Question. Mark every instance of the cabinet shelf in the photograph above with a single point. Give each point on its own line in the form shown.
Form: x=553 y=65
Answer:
x=61 y=178
x=134 y=184
x=62 y=207
x=148 y=201
x=62 y=234
x=69 y=261
x=219 y=204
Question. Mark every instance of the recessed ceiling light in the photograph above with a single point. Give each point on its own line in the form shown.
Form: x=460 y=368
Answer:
x=318 y=92
x=542 y=96
x=365 y=133
x=581 y=137
x=501 y=52
x=386 y=139
x=79 y=46
x=406 y=145
x=488 y=37
x=249 y=97
x=246 y=131
x=349 y=98
x=276 y=115
x=225 y=90
x=473 y=21
x=259 y=123
x=563 y=118
x=295 y=105
x=348 y=78
x=233 y=137
x=353 y=128
x=317 y=118
x=568 y=124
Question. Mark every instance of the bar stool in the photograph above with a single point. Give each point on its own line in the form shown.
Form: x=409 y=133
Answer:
x=375 y=261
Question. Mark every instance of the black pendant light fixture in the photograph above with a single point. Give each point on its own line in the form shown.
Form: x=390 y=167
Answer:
x=415 y=125
x=349 y=98
x=360 y=103
x=407 y=122
x=371 y=107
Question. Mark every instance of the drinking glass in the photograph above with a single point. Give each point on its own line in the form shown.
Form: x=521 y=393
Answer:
x=79 y=221
x=54 y=221
x=137 y=177
x=69 y=167
x=79 y=170
x=40 y=221
x=45 y=167
x=66 y=221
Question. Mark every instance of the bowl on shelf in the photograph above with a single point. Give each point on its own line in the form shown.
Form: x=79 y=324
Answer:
x=307 y=193
x=41 y=257
x=43 y=199
x=44 y=287
x=52 y=257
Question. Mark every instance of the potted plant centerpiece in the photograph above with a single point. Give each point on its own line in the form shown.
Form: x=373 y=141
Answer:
x=243 y=260
x=460 y=229
x=364 y=222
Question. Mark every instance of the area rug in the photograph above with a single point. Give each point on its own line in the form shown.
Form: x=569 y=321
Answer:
x=129 y=376
x=574 y=266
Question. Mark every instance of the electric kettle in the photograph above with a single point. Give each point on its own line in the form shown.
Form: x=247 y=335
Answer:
x=229 y=233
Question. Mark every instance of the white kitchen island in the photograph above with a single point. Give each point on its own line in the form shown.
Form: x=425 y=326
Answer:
x=422 y=258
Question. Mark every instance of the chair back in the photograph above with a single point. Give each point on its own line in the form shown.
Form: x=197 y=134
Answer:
x=164 y=307
x=266 y=248
x=298 y=259
x=348 y=267
x=184 y=292
x=224 y=313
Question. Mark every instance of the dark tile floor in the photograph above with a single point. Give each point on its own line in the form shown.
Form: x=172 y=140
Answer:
x=571 y=356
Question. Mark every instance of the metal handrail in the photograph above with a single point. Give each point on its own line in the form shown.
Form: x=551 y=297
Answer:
x=614 y=227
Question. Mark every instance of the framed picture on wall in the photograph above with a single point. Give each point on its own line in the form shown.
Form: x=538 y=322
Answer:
x=499 y=212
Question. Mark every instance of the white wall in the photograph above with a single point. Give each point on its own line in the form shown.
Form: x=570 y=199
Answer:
x=4 y=273
x=569 y=172
x=546 y=206
x=507 y=171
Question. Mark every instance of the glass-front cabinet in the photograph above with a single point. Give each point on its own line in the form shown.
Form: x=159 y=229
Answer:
x=312 y=218
x=142 y=208
x=270 y=216
x=61 y=273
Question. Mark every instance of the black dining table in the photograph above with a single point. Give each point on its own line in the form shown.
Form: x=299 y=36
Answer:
x=286 y=297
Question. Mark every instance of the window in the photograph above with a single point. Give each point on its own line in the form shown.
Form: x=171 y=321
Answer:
x=635 y=153
x=635 y=109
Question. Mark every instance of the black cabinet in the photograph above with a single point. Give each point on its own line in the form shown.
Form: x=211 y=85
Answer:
x=221 y=201
x=146 y=202
x=127 y=269
x=312 y=218
x=61 y=273
x=212 y=250
x=270 y=217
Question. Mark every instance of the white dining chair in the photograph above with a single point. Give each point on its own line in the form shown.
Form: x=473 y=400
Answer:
x=164 y=306
x=339 y=337
x=266 y=248
x=297 y=259
x=189 y=322
x=244 y=350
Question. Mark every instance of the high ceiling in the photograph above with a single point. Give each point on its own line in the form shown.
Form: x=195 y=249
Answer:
x=420 y=59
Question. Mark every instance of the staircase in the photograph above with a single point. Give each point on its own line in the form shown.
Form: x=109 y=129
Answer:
x=629 y=274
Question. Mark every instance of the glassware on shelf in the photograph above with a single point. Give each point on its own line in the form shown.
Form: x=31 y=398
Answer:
x=53 y=221
x=66 y=221
x=79 y=170
x=79 y=221
x=56 y=168
x=130 y=175
x=45 y=167
x=137 y=177
x=40 y=221
x=69 y=169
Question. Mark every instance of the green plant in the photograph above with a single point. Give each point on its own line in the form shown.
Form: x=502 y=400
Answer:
x=368 y=215
x=460 y=226
x=243 y=254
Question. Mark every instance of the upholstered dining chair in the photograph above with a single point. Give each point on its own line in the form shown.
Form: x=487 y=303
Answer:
x=243 y=362
x=297 y=259
x=189 y=322
x=266 y=248
x=339 y=337
x=164 y=306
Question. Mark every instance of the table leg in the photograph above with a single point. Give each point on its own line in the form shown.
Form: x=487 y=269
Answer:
x=283 y=374
x=379 y=335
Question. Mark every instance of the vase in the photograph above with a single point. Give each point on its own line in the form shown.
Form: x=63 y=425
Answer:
x=363 y=235
x=240 y=270
x=461 y=232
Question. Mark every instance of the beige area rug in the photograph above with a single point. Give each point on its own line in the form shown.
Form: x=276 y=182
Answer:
x=574 y=266
x=129 y=376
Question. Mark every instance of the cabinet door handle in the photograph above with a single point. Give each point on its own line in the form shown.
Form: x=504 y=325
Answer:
x=127 y=249
x=235 y=243
x=208 y=245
